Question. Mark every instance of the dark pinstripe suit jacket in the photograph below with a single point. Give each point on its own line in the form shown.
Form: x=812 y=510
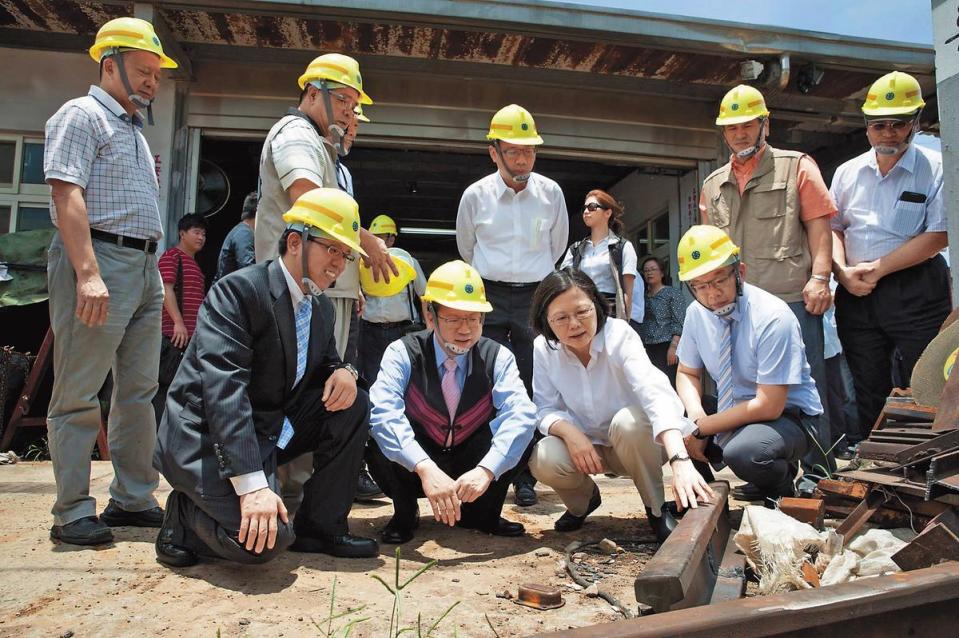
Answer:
x=225 y=408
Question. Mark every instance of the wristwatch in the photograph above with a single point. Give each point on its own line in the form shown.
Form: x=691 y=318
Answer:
x=352 y=370
x=697 y=434
x=678 y=457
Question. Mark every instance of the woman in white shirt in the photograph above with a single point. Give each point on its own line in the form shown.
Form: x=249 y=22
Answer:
x=608 y=259
x=603 y=407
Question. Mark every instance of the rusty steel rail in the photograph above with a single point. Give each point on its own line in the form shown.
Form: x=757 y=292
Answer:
x=683 y=571
x=916 y=603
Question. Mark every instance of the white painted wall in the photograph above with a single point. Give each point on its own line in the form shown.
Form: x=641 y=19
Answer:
x=36 y=83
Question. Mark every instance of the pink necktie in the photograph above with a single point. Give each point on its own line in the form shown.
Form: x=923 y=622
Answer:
x=451 y=393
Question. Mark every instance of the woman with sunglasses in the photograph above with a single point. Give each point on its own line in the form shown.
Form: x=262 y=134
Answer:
x=603 y=407
x=663 y=320
x=608 y=259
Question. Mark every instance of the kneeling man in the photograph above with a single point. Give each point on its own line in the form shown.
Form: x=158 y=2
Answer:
x=750 y=343
x=259 y=385
x=451 y=417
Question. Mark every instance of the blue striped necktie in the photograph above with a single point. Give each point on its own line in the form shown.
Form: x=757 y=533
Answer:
x=303 y=315
x=304 y=312
x=724 y=384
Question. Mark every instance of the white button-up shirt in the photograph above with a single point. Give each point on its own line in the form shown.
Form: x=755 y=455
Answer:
x=873 y=217
x=594 y=262
x=509 y=236
x=619 y=374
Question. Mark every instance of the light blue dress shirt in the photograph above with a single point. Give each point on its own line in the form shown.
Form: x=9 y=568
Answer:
x=872 y=217
x=512 y=426
x=767 y=348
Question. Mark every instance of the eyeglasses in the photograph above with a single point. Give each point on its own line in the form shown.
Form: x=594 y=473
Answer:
x=593 y=207
x=561 y=320
x=333 y=250
x=896 y=126
x=345 y=101
x=515 y=153
x=457 y=322
x=715 y=284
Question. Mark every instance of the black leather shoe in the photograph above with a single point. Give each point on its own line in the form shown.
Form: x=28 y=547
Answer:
x=525 y=494
x=88 y=530
x=345 y=546
x=366 y=487
x=397 y=532
x=847 y=453
x=747 y=492
x=169 y=548
x=115 y=516
x=503 y=527
x=569 y=522
x=662 y=525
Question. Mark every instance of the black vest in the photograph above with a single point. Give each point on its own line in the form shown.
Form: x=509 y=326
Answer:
x=425 y=406
x=615 y=256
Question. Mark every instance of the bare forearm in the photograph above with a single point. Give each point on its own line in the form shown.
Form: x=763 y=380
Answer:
x=838 y=251
x=74 y=226
x=767 y=405
x=170 y=305
x=689 y=387
x=820 y=241
x=915 y=251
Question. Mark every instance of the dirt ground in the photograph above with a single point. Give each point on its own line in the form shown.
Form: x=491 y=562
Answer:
x=50 y=589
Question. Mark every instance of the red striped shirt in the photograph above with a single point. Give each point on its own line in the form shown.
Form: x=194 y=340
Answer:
x=194 y=288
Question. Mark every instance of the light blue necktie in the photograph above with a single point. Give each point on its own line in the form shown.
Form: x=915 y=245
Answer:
x=304 y=313
x=724 y=384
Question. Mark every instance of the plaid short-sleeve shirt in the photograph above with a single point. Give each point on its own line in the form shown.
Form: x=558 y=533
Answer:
x=93 y=143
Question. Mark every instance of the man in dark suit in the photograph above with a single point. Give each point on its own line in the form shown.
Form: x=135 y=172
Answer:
x=260 y=384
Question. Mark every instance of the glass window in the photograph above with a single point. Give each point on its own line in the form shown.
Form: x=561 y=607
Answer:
x=661 y=231
x=31 y=167
x=33 y=217
x=4 y=219
x=8 y=152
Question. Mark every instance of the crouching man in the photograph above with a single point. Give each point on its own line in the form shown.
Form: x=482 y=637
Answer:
x=259 y=385
x=750 y=344
x=451 y=417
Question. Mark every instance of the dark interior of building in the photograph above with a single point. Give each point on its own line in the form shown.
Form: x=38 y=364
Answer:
x=420 y=189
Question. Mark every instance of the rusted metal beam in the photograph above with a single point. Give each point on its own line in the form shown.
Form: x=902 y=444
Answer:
x=682 y=573
x=917 y=603
x=807 y=510
x=731 y=579
x=873 y=501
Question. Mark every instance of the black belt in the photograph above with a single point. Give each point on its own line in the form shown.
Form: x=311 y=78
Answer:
x=146 y=245
x=511 y=284
x=389 y=325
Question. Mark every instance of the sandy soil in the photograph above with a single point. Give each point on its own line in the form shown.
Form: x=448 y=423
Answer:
x=50 y=589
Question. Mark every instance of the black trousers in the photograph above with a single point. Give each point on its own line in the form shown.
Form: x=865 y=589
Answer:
x=904 y=311
x=657 y=355
x=373 y=340
x=404 y=486
x=508 y=324
x=337 y=440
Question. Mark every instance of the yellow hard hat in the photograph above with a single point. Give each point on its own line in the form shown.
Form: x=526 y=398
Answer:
x=336 y=67
x=383 y=225
x=457 y=285
x=331 y=211
x=358 y=111
x=703 y=249
x=129 y=33
x=741 y=104
x=396 y=284
x=893 y=94
x=515 y=125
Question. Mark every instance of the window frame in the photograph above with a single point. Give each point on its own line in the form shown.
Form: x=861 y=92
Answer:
x=19 y=194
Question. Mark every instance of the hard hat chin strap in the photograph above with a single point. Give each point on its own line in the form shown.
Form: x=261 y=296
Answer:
x=334 y=130
x=449 y=348
x=138 y=100
x=311 y=288
x=746 y=153
x=519 y=178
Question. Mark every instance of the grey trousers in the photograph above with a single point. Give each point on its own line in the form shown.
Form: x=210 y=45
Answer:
x=762 y=453
x=129 y=343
